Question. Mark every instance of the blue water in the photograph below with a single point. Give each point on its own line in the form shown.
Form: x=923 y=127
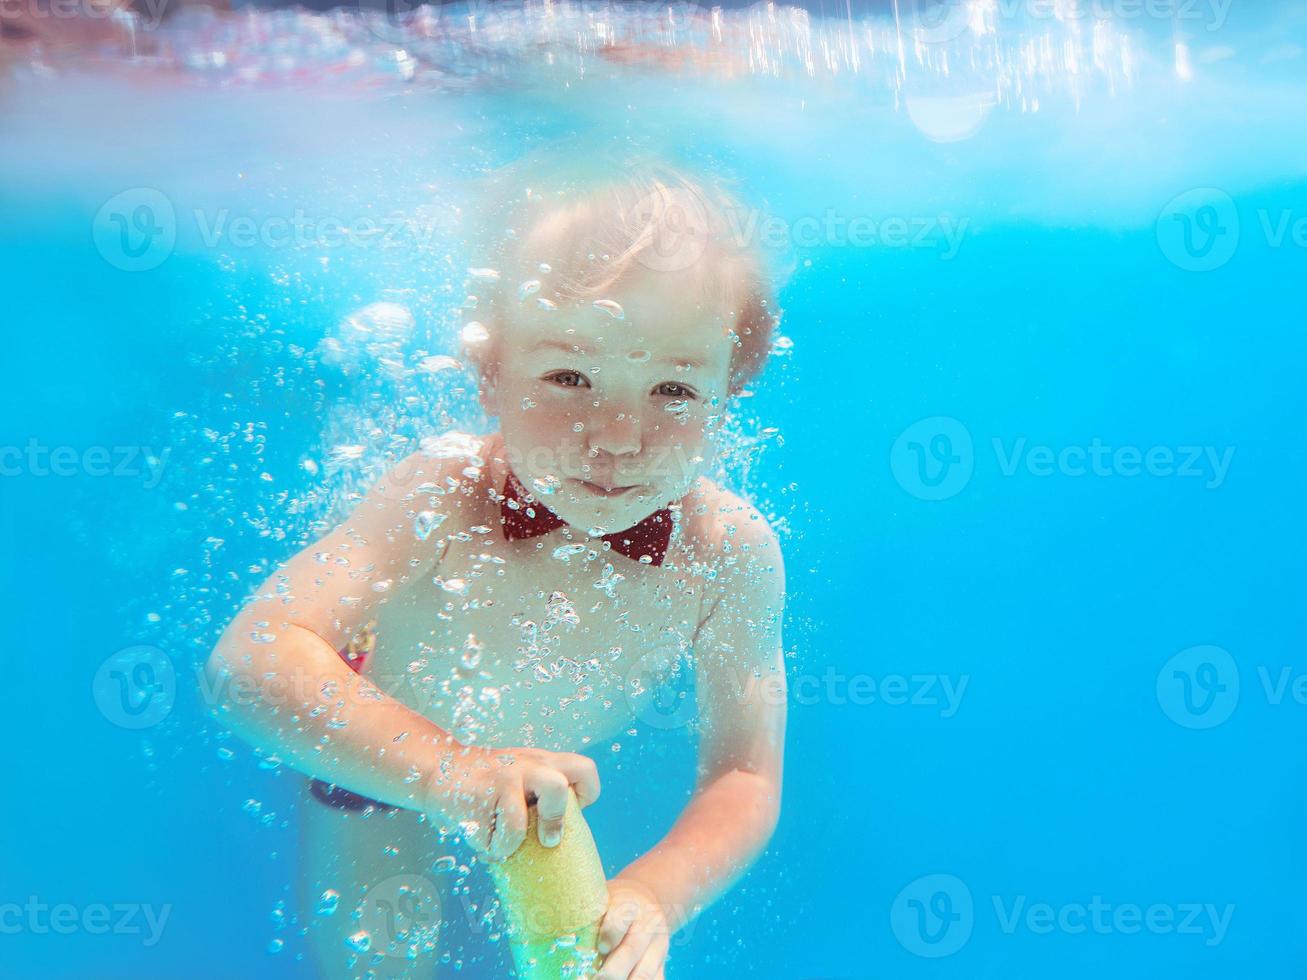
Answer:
x=1072 y=811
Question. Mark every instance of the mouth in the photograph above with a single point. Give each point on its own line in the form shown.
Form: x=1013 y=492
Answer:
x=600 y=490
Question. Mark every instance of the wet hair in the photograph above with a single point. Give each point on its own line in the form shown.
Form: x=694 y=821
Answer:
x=574 y=231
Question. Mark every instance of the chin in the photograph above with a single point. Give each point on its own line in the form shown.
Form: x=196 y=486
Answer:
x=585 y=510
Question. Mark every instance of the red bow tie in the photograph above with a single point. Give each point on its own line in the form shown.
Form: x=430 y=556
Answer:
x=525 y=517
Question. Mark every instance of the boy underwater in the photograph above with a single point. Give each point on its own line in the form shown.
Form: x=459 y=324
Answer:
x=485 y=614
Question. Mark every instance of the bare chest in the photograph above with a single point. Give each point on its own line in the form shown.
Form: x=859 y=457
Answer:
x=535 y=642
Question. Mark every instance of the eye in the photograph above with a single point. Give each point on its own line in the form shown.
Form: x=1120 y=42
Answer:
x=568 y=379
x=672 y=389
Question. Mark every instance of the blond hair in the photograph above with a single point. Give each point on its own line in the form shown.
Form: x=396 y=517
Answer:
x=586 y=227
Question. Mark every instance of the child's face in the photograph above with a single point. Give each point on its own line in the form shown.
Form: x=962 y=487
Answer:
x=616 y=416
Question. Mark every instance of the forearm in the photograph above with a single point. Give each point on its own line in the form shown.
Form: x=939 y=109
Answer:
x=296 y=698
x=718 y=836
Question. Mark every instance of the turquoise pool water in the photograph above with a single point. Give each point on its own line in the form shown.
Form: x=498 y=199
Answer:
x=1033 y=445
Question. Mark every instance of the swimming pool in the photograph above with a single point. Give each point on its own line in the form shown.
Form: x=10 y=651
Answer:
x=1031 y=441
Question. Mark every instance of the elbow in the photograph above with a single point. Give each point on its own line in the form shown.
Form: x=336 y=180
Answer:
x=232 y=685
x=766 y=805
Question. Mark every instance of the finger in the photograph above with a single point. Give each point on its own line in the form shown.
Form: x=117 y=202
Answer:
x=550 y=788
x=620 y=962
x=582 y=773
x=650 y=964
x=617 y=920
x=510 y=820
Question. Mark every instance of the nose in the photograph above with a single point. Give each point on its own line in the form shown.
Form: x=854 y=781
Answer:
x=614 y=431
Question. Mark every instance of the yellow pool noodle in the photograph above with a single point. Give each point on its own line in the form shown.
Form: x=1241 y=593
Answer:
x=554 y=899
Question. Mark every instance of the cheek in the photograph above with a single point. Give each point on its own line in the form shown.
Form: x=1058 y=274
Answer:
x=543 y=426
x=559 y=411
x=685 y=434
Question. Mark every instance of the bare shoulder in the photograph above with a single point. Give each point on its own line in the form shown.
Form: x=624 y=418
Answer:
x=729 y=534
x=445 y=476
x=737 y=555
x=398 y=531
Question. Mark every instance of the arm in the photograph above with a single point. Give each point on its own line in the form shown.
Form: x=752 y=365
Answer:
x=277 y=680
x=740 y=691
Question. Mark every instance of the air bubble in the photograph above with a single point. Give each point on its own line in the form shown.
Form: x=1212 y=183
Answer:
x=528 y=289
x=472 y=652
x=360 y=942
x=345 y=454
x=546 y=485
x=611 y=307
x=426 y=522
x=439 y=362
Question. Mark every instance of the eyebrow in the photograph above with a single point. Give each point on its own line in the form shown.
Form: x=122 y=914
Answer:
x=577 y=349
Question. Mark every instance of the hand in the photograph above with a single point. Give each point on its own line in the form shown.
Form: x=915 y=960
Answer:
x=488 y=791
x=634 y=935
